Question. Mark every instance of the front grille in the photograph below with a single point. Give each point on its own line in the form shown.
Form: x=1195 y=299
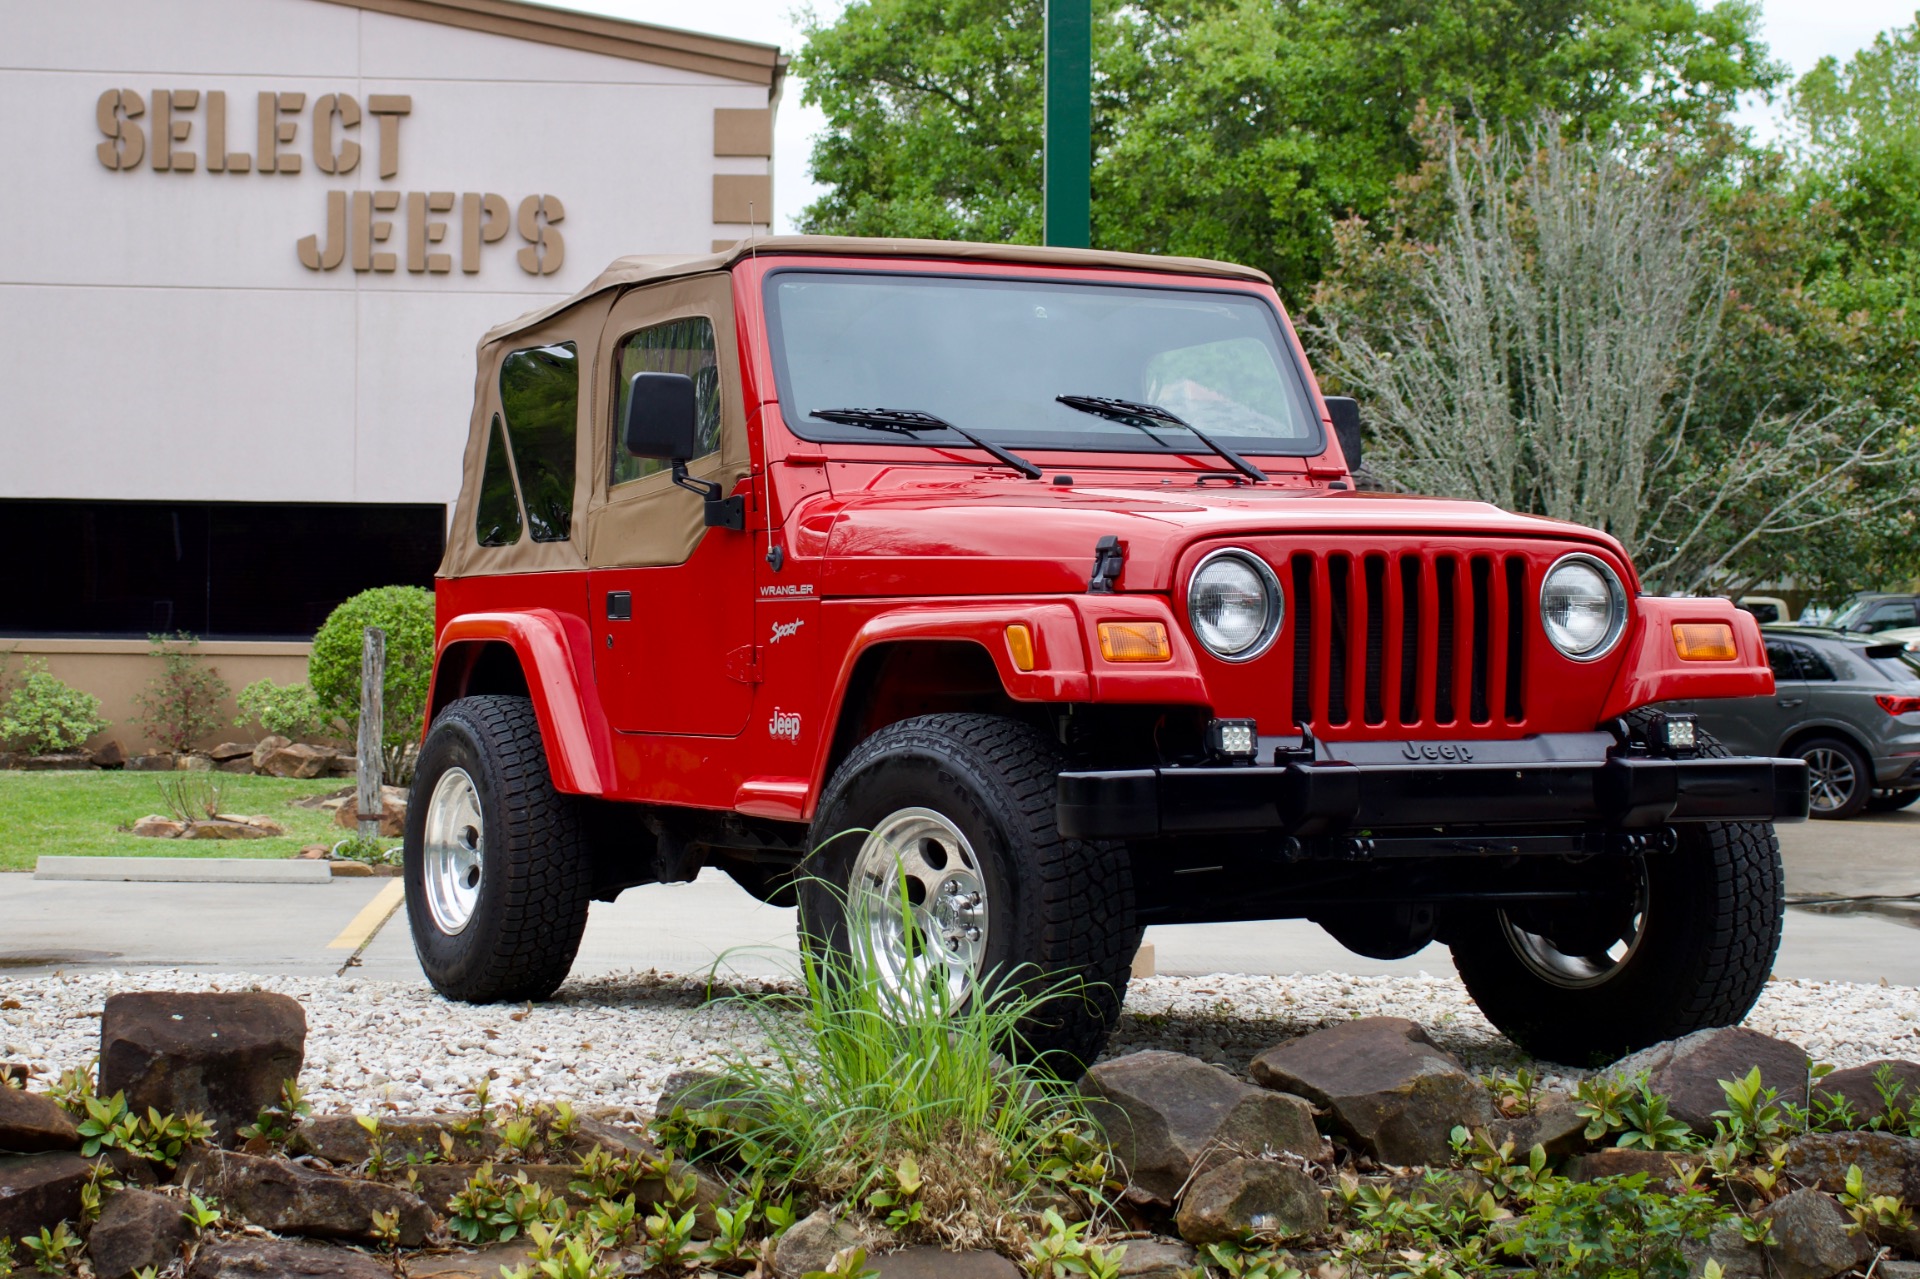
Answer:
x=1408 y=638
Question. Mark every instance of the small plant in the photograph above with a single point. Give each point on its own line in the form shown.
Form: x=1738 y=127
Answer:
x=1895 y=1114
x=43 y=715
x=669 y=1243
x=284 y=710
x=99 y=1178
x=278 y=1119
x=1611 y=1227
x=1599 y=1100
x=520 y=1135
x=367 y=849
x=181 y=704
x=1874 y=1213
x=204 y=1213
x=190 y=797
x=386 y=1229
x=1060 y=1251
x=848 y=1263
x=376 y=1144
x=1516 y=1094
x=51 y=1249
x=900 y=1200
x=1248 y=1261
x=1751 y=1118
x=1649 y=1126
x=490 y=1210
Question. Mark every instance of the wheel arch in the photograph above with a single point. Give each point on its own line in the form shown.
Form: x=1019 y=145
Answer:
x=897 y=679
x=1805 y=733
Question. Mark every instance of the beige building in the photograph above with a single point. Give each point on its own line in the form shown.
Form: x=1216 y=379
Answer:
x=249 y=249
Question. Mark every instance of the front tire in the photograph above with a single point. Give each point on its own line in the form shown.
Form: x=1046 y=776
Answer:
x=497 y=865
x=1839 y=779
x=956 y=813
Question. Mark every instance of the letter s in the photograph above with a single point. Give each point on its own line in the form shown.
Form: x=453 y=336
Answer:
x=126 y=141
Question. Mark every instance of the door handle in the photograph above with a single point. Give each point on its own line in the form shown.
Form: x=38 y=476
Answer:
x=619 y=606
x=1791 y=701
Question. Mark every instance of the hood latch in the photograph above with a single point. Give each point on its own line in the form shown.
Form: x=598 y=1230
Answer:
x=1109 y=557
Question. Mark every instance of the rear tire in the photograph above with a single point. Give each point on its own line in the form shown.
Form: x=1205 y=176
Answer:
x=978 y=794
x=1892 y=801
x=498 y=869
x=1839 y=779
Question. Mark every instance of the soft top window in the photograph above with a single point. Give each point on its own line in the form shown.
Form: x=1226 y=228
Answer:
x=540 y=395
x=678 y=346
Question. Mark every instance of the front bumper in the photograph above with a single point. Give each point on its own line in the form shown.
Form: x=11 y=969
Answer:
x=1542 y=783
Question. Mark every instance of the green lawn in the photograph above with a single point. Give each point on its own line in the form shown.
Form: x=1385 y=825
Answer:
x=74 y=814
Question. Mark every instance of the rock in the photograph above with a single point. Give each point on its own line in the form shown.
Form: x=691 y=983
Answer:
x=194 y=763
x=1157 y=1259
x=282 y=1259
x=242 y=765
x=1393 y=1092
x=1860 y=1086
x=314 y=853
x=342 y=1142
x=1898 y=1270
x=693 y=1090
x=294 y=1200
x=1889 y=1165
x=1164 y=1111
x=1665 y=1169
x=109 y=756
x=1554 y=1123
x=1251 y=1197
x=352 y=870
x=1737 y=1258
x=1810 y=1239
x=343 y=766
x=154 y=826
x=63 y=761
x=231 y=750
x=233 y=828
x=589 y=1133
x=223 y=1056
x=393 y=813
x=162 y=763
x=267 y=746
x=485 y=1264
x=137 y=1229
x=1688 y=1070
x=30 y=1123
x=812 y=1241
x=327 y=801
x=297 y=760
x=938 y=1263
x=436 y=1183
x=40 y=1191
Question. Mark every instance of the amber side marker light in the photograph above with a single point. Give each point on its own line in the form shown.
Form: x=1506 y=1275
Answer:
x=1020 y=645
x=1704 y=642
x=1134 y=642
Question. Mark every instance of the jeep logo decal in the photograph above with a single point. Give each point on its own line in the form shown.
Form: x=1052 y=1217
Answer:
x=784 y=726
x=1446 y=751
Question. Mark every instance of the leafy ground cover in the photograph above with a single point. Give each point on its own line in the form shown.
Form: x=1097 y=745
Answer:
x=78 y=815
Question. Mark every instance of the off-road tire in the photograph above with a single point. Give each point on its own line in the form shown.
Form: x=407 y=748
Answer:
x=1061 y=909
x=1714 y=910
x=537 y=868
x=1892 y=801
x=1862 y=794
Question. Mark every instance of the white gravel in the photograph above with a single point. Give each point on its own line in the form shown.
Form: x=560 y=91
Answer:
x=614 y=1040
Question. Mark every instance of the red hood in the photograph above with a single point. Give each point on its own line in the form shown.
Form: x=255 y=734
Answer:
x=909 y=532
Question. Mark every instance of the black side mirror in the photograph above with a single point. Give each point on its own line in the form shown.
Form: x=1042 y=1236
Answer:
x=661 y=421
x=1345 y=412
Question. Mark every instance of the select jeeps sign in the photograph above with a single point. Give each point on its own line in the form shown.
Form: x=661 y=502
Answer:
x=369 y=230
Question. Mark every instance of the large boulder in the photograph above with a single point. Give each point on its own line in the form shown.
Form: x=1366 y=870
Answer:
x=137 y=1229
x=1888 y=1164
x=57 y=762
x=392 y=817
x=292 y=1200
x=1164 y=1112
x=221 y=1055
x=1393 y=1092
x=1860 y=1085
x=1246 y=1198
x=1810 y=1237
x=283 y=1259
x=1687 y=1071
x=297 y=760
x=267 y=746
x=30 y=1123
x=38 y=1192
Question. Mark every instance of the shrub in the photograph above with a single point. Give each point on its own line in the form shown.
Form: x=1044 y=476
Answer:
x=405 y=613
x=182 y=703
x=1611 y=1228
x=286 y=710
x=42 y=714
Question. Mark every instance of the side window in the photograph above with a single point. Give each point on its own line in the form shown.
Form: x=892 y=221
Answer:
x=1783 y=660
x=540 y=391
x=678 y=346
x=496 y=519
x=1813 y=665
x=1891 y=616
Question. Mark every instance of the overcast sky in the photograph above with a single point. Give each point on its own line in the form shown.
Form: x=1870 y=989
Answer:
x=1800 y=31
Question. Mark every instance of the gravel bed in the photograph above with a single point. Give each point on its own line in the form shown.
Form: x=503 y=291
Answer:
x=614 y=1040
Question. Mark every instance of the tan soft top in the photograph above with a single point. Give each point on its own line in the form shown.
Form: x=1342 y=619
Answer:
x=647 y=268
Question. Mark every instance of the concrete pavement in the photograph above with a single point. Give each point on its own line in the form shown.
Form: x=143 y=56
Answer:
x=274 y=928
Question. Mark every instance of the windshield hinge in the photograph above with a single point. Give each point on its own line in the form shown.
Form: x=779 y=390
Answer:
x=1109 y=557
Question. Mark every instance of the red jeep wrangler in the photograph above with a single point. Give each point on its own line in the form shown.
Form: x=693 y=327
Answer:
x=1031 y=587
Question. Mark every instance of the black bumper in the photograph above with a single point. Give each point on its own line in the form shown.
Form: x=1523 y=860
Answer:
x=1333 y=796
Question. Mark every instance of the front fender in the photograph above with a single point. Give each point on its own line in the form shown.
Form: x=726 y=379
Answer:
x=555 y=657
x=1652 y=670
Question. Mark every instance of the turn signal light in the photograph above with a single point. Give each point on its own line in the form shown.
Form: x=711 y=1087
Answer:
x=1897 y=705
x=1135 y=642
x=1020 y=645
x=1704 y=642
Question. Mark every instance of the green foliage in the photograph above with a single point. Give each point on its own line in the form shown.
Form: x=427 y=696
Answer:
x=490 y=1210
x=1649 y=1126
x=279 y=1118
x=1612 y=1228
x=286 y=710
x=1752 y=1118
x=405 y=613
x=181 y=704
x=108 y=1123
x=201 y=1213
x=1600 y=1100
x=52 y=1249
x=191 y=797
x=43 y=715
x=848 y=1263
x=368 y=849
x=1247 y=1261
x=1874 y=1213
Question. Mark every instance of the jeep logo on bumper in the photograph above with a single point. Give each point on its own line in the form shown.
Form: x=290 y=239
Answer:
x=1446 y=751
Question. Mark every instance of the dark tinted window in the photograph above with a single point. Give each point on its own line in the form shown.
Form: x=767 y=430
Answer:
x=1889 y=617
x=1784 y=659
x=540 y=392
x=222 y=570
x=1813 y=663
x=678 y=346
x=496 y=516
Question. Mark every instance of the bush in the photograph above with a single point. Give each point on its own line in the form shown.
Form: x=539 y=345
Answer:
x=42 y=714
x=286 y=710
x=182 y=703
x=405 y=613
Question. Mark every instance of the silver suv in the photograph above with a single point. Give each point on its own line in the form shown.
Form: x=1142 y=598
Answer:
x=1848 y=705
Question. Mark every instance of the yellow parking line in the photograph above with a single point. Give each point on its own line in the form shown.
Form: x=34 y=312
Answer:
x=371 y=916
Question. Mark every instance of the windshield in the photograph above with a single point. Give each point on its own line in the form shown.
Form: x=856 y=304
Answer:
x=990 y=356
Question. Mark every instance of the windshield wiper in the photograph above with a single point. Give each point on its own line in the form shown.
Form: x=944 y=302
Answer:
x=913 y=421
x=1145 y=416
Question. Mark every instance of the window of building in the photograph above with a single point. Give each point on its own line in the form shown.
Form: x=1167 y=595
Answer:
x=540 y=394
x=220 y=570
x=496 y=515
x=678 y=346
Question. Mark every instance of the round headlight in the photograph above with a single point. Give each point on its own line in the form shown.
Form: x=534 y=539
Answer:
x=1234 y=602
x=1583 y=607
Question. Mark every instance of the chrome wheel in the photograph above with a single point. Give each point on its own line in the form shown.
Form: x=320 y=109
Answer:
x=916 y=864
x=1592 y=960
x=455 y=845
x=1830 y=779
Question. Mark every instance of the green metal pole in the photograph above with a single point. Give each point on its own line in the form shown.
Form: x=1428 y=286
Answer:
x=1068 y=192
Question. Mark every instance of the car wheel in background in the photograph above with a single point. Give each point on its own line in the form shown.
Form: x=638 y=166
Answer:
x=1839 y=779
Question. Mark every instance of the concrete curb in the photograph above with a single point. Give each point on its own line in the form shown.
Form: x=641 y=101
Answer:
x=185 y=870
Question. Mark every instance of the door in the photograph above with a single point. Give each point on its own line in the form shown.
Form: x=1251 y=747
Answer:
x=1754 y=725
